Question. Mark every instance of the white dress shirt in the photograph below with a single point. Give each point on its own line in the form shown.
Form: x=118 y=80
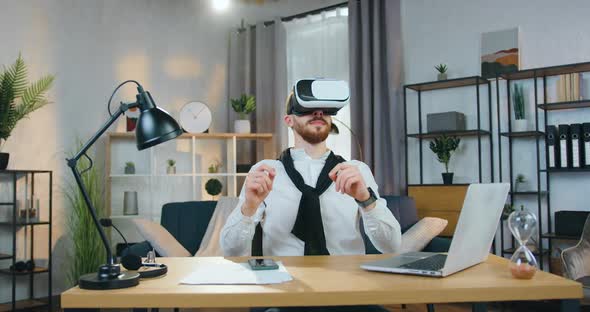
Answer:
x=340 y=215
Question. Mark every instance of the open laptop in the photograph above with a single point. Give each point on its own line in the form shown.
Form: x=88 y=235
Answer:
x=471 y=242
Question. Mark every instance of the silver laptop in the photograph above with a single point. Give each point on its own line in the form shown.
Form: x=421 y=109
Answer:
x=471 y=242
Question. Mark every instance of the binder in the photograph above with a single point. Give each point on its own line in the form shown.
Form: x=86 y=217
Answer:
x=553 y=147
x=565 y=148
x=586 y=139
x=577 y=145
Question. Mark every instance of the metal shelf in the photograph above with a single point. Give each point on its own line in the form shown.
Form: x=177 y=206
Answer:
x=566 y=170
x=449 y=133
x=523 y=134
x=24 y=223
x=548 y=71
x=555 y=236
x=536 y=252
x=528 y=193
x=450 y=83
x=5 y=256
x=565 y=105
x=24 y=305
x=36 y=270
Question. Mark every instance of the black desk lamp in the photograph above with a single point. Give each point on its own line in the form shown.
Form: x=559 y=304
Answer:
x=154 y=126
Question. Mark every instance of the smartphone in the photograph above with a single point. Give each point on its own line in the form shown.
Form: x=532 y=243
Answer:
x=263 y=264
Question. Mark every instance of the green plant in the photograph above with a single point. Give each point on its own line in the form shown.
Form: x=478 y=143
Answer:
x=244 y=105
x=441 y=68
x=508 y=209
x=130 y=164
x=18 y=98
x=87 y=252
x=171 y=162
x=520 y=178
x=518 y=101
x=213 y=187
x=443 y=146
x=214 y=168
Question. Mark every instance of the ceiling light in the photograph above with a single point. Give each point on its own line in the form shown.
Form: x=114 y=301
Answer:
x=220 y=5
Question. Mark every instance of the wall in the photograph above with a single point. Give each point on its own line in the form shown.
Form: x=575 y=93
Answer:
x=176 y=49
x=551 y=33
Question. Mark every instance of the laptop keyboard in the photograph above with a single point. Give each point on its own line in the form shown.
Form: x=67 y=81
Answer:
x=432 y=263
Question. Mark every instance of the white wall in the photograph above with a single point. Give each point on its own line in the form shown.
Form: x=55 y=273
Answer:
x=551 y=33
x=176 y=49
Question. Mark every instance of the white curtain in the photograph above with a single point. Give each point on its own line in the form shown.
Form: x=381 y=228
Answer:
x=317 y=46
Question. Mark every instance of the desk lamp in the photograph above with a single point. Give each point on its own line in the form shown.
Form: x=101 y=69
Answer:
x=154 y=126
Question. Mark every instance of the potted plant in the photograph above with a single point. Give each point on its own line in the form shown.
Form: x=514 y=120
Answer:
x=129 y=167
x=171 y=166
x=243 y=105
x=18 y=99
x=443 y=146
x=442 y=71
x=520 y=123
x=508 y=209
x=213 y=185
x=519 y=181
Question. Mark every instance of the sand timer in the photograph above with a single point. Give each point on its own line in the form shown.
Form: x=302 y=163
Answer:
x=523 y=226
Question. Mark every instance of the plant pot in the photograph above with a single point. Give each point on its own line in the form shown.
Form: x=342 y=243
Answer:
x=242 y=126
x=129 y=170
x=442 y=76
x=130 y=203
x=4 y=160
x=171 y=170
x=447 y=178
x=520 y=125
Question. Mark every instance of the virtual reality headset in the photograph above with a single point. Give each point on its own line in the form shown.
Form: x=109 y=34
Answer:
x=310 y=95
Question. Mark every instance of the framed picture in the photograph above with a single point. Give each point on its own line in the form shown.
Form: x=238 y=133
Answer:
x=500 y=52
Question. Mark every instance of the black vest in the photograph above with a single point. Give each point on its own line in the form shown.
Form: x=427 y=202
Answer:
x=308 y=224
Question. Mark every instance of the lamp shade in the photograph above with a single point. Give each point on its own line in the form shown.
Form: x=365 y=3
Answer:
x=155 y=126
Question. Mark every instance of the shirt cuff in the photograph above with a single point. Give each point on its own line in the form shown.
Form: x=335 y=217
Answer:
x=256 y=217
x=373 y=213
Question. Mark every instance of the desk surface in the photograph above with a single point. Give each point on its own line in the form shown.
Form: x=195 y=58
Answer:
x=330 y=280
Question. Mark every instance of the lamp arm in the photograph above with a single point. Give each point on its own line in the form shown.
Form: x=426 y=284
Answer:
x=73 y=162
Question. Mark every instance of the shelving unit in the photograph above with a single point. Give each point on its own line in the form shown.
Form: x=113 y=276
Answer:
x=546 y=108
x=449 y=198
x=479 y=133
x=193 y=153
x=25 y=179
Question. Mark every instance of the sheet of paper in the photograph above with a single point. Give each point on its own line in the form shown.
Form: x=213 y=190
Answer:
x=219 y=271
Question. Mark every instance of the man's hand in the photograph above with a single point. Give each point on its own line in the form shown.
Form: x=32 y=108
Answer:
x=258 y=185
x=349 y=180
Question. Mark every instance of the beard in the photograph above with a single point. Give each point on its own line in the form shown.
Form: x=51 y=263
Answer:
x=310 y=133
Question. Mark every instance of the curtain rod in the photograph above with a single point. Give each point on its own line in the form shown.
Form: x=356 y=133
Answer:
x=304 y=14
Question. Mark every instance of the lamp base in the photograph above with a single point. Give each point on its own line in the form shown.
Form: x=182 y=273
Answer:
x=109 y=277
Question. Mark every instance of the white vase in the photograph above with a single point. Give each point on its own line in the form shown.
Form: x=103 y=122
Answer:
x=520 y=125
x=242 y=126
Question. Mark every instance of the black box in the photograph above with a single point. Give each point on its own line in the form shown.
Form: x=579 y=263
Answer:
x=553 y=146
x=570 y=223
x=448 y=121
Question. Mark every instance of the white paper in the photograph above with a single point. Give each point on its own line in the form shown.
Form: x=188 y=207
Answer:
x=575 y=153
x=563 y=149
x=587 y=151
x=219 y=271
x=551 y=156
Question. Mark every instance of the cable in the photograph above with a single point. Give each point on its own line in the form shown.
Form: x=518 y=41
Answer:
x=115 y=91
x=356 y=139
x=90 y=166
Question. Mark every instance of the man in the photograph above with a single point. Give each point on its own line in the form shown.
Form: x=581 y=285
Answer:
x=309 y=201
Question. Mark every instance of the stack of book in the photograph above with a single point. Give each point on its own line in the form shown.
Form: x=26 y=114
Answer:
x=569 y=87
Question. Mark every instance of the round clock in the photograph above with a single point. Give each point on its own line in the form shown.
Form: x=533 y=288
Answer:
x=195 y=117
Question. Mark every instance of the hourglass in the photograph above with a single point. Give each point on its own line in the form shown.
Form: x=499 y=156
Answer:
x=523 y=225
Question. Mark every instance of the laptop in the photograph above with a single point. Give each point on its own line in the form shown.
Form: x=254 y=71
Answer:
x=471 y=242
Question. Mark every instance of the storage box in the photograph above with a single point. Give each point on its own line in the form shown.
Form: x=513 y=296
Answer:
x=570 y=223
x=447 y=121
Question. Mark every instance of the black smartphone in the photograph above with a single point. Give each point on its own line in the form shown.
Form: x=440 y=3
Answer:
x=263 y=264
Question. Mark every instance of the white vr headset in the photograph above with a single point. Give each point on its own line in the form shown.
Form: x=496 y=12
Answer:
x=310 y=95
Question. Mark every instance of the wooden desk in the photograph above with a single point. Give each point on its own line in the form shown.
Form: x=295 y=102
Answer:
x=330 y=280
